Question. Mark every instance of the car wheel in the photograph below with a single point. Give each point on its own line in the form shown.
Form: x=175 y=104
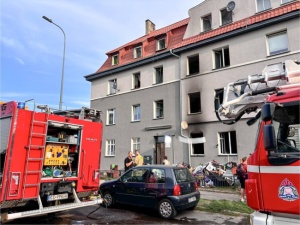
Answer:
x=108 y=199
x=166 y=209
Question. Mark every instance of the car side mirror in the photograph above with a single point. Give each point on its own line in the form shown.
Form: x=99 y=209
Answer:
x=269 y=137
x=267 y=111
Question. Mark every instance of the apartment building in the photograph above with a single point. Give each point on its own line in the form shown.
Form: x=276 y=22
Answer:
x=157 y=92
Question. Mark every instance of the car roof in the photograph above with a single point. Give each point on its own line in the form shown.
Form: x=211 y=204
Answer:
x=159 y=166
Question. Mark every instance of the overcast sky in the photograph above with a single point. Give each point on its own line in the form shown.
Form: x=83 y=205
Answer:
x=32 y=48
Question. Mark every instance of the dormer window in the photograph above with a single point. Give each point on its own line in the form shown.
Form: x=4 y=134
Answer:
x=226 y=16
x=206 y=22
x=137 y=52
x=161 y=44
x=115 y=60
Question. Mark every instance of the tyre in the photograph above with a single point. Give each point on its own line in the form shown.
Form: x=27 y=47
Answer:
x=108 y=199
x=166 y=209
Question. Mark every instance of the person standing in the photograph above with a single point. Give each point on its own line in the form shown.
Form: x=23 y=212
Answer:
x=242 y=176
x=139 y=159
x=166 y=161
x=128 y=162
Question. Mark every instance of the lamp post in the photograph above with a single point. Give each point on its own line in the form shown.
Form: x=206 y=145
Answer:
x=63 y=65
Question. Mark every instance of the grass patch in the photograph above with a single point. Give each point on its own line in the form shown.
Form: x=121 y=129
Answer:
x=224 y=207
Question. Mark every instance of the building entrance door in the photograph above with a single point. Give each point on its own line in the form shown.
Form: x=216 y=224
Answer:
x=159 y=149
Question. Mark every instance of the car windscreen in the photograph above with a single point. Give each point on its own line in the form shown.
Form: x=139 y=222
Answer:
x=183 y=175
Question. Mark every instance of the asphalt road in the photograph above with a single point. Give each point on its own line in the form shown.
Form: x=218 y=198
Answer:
x=136 y=215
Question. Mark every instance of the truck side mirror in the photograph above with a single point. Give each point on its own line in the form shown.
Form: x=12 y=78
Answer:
x=269 y=138
x=267 y=111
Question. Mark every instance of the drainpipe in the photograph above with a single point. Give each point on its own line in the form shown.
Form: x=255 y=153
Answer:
x=180 y=102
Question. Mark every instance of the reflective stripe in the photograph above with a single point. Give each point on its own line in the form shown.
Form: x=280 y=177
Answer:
x=274 y=169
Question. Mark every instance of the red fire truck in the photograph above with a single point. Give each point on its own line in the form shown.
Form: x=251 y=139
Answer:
x=49 y=160
x=273 y=183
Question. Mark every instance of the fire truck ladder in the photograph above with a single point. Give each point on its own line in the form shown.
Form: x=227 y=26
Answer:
x=35 y=153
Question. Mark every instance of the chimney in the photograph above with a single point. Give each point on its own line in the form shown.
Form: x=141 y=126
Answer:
x=149 y=26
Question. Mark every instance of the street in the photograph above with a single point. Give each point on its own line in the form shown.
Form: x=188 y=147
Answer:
x=123 y=214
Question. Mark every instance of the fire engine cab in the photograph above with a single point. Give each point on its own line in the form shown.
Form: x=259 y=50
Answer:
x=273 y=183
x=49 y=160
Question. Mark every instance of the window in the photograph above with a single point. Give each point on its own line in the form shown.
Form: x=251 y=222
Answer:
x=136 y=80
x=157 y=176
x=226 y=16
x=219 y=95
x=159 y=109
x=135 y=144
x=206 y=23
x=136 y=113
x=159 y=73
x=221 y=57
x=112 y=86
x=286 y=1
x=193 y=65
x=227 y=143
x=197 y=148
x=277 y=43
x=161 y=44
x=135 y=175
x=263 y=5
x=194 y=102
x=110 y=147
x=115 y=60
x=137 y=52
x=111 y=114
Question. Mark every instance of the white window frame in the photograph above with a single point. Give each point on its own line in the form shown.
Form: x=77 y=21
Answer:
x=158 y=71
x=223 y=62
x=134 y=80
x=137 y=53
x=222 y=145
x=111 y=113
x=286 y=1
x=157 y=108
x=221 y=17
x=264 y=7
x=159 y=45
x=110 y=149
x=283 y=36
x=115 y=59
x=111 y=89
x=205 y=18
x=135 y=144
x=136 y=116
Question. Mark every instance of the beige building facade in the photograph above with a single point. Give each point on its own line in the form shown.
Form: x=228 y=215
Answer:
x=145 y=94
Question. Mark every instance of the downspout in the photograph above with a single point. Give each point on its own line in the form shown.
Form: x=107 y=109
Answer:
x=180 y=98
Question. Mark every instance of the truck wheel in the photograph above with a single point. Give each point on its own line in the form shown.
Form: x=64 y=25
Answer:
x=109 y=200
x=166 y=209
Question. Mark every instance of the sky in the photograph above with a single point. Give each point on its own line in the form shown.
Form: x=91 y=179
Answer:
x=32 y=48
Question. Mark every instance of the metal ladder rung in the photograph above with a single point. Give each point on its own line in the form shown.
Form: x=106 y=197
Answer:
x=33 y=171
x=38 y=134
x=31 y=185
x=35 y=159
x=35 y=147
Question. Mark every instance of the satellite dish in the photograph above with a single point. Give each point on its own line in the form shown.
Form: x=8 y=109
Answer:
x=184 y=125
x=230 y=6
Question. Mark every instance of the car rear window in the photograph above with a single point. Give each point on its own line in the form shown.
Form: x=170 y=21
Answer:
x=183 y=175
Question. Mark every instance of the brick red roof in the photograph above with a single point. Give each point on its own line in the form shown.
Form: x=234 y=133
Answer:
x=174 y=34
x=241 y=23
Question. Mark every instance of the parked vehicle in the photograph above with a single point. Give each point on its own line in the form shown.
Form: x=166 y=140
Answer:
x=167 y=189
x=50 y=161
x=273 y=183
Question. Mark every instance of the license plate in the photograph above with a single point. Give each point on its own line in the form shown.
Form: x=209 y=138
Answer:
x=57 y=197
x=192 y=199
